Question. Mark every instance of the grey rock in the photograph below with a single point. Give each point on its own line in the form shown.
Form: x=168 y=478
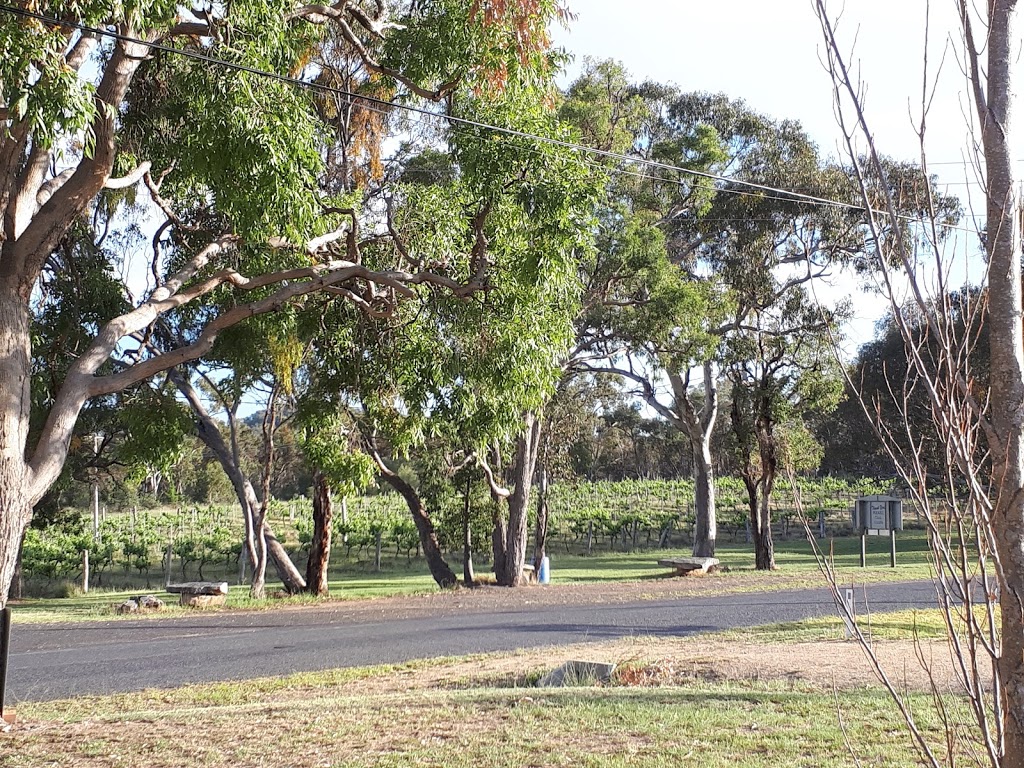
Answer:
x=128 y=606
x=577 y=673
x=149 y=602
x=687 y=565
x=140 y=604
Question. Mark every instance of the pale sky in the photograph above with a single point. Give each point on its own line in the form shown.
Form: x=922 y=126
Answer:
x=767 y=53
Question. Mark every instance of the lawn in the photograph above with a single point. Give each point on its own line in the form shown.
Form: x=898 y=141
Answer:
x=711 y=725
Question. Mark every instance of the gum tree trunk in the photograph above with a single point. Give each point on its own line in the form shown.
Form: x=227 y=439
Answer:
x=511 y=574
x=1007 y=358
x=698 y=424
x=210 y=435
x=705 y=524
x=15 y=494
x=760 y=506
x=439 y=569
x=540 y=531
x=320 y=547
x=468 y=577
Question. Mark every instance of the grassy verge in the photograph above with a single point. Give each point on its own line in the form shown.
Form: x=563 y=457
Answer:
x=321 y=720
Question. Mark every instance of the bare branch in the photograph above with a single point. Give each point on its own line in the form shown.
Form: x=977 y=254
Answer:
x=497 y=491
x=129 y=180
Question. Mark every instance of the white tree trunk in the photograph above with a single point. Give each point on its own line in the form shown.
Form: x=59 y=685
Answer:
x=705 y=524
x=15 y=491
x=699 y=426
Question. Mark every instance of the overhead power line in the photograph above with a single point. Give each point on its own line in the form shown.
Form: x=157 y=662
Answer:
x=384 y=105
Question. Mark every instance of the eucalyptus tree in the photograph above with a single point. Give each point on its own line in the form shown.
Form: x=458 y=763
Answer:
x=98 y=96
x=260 y=544
x=331 y=442
x=782 y=374
x=461 y=367
x=627 y=260
x=669 y=284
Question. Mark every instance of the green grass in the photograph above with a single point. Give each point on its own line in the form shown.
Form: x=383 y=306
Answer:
x=792 y=556
x=99 y=604
x=919 y=624
x=895 y=625
x=351 y=581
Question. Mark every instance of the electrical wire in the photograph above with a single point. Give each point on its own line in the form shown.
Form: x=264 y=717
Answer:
x=385 y=106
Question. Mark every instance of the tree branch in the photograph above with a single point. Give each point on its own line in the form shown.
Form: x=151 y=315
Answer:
x=68 y=202
x=497 y=491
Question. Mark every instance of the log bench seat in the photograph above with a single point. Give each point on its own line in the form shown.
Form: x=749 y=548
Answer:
x=200 y=594
x=684 y=566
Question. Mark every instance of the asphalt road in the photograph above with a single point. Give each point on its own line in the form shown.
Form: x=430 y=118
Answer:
x=56 y=661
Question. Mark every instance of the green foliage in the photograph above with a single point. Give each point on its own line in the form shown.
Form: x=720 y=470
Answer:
x=37 y=83
x=487 y=46
x=54 y=554
x=242 y=146
x=155 y=425
x=326 y=443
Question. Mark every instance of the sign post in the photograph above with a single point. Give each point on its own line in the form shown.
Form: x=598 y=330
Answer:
x=878 y=516
x=850 y=614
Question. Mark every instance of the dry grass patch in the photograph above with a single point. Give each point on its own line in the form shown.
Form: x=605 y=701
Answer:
x=723 y=725
x=730 y=703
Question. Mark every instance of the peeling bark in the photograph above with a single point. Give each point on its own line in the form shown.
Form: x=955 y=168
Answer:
x=320 y=547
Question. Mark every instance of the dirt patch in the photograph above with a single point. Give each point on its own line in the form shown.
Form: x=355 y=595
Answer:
x=655 y=661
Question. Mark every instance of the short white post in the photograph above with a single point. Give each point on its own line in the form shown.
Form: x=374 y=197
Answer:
x=850 y=612
x=85 y=571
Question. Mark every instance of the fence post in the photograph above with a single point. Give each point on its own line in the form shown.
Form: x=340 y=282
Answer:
x=85 y=571
x=167 y=566
x=5 y=650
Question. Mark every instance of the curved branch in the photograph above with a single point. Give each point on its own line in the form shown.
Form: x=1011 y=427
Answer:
x=129 y=180
x=68 y=201
x=497 y=491
x=646 y=389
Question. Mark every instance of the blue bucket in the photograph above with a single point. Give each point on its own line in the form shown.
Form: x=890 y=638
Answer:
x=544 y=575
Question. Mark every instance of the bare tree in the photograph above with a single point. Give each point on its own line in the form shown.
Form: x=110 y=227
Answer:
x=972 y=497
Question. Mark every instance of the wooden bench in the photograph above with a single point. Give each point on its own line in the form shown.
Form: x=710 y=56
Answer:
x=200 y=594
x=684 y=566
x=529 y=574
